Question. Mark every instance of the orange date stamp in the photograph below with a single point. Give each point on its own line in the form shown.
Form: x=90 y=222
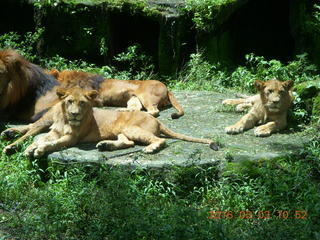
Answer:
x=280 y=214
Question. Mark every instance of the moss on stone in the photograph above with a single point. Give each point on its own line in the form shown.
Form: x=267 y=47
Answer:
x=316 y=107
x=308 y=89
x=309 y=95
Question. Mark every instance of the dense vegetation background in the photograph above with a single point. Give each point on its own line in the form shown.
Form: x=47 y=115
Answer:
x=278 y=198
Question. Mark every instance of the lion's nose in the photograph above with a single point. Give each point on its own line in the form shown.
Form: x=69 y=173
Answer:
x=74 y=114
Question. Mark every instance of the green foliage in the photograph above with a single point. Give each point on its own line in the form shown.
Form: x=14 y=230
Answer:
x=132 y=6
x=41 y=200
x=199 y=74
x=24 y=44
x=316 y=21
x=312 y=19
x=134 y=64
x=205 y=12
x=97 y=202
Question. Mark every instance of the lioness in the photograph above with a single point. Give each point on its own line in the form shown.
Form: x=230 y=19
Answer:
x=269 y=108
x=75 y=120
x=148 y=94
x=132 y=94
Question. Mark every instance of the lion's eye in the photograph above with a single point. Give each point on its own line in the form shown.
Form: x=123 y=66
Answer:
x=70 y=101
x=281 y=92
x=82 y=103
x=270 y=91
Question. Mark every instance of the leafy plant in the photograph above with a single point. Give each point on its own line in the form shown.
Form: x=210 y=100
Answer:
x=198 y=74
x=24 y=44
x=134 y=64
x=205 y=12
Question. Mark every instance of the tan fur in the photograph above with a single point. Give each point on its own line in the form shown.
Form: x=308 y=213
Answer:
x=14 y=76
x=27 y=90
x=148 y=94
x=242 y=103
x=134 y=94
x=75 y=120
x=269 y=108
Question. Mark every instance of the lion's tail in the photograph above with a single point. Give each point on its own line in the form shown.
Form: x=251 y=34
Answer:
x=166 y=131
x=176 y=105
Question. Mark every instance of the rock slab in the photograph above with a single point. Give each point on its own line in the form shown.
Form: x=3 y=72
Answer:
x=204 y=117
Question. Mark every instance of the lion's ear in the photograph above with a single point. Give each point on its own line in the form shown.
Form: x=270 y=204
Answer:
x=53 y=72
x=92 y=94
x=287 y=84
x=61 y=92
x=259 y=85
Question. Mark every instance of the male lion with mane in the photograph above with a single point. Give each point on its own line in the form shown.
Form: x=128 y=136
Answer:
x=22 y=85
x=269 y=108
x=27 y=91
x=75 y=120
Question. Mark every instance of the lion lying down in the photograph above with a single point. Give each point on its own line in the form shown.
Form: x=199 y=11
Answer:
x=133 y=94
x=150 y=95
x=269 y=108
x=75 y=120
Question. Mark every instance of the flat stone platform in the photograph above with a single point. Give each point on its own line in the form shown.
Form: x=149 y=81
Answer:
x=204 y=117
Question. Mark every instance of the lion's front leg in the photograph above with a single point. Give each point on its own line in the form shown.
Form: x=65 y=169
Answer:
x=269 y=128
x=51 y=146
x=29 y=152
x=233 y=101
x=28 y=130
x=248 y=121
x=11 y=133
x=109 y=145
x=42 y=147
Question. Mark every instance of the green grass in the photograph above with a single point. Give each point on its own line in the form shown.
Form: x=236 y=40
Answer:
x=98 y=202
x=44 y=200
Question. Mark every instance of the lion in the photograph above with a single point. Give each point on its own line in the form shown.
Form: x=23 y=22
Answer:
x=75 y=120
x=268 y=108
x=23 y=86
x=132 y=94
x=149 y=94
x=27 y=91
x=242 y=103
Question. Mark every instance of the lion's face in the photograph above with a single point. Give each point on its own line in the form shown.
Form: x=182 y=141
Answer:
x=274 y=94
x=77 y=102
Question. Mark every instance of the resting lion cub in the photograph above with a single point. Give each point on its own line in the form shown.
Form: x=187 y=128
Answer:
x=75 y=120
x=269 y=108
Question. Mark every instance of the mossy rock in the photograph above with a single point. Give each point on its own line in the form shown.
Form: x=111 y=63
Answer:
x=308 y=89
x=309 y=94
x=205 y=117
x=316 y=106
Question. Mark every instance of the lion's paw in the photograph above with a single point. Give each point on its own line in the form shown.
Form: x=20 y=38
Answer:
x=29 y=152
x=262 y=131
x=105 y=146
x=154 y=147
x=150 y=149
x=10 y=149
x=39 y=152
x=242 y=107
x=9 y=134
x=234 y=129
